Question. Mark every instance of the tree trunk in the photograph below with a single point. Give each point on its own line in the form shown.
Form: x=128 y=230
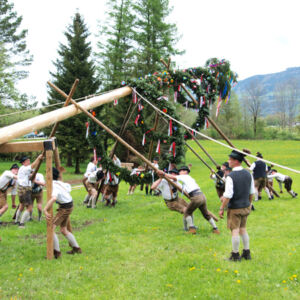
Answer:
x=254 y=125
x=69 y=160
x=77 y=165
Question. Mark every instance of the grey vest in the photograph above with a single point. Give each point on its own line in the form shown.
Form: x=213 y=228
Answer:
x=241 y=189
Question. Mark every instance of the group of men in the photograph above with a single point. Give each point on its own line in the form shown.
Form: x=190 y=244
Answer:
x=236 y=188
x=92 y=180
x=29 y=187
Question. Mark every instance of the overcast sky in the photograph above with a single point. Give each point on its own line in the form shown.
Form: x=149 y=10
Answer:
x=256 y=36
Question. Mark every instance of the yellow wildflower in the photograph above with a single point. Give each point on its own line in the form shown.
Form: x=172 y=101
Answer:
x=31 y=269
x=192 y=268
x=236 y=271
x=283 y=281
x=169 y=285
x=218 y=270
x=238 y=281
x=295 y=276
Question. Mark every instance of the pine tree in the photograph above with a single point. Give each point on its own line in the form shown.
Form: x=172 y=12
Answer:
x=14 y=54
x=74 y=62
x=116 y=44
x=155 y=38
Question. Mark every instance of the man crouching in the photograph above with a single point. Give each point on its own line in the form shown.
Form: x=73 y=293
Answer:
x=61 y=195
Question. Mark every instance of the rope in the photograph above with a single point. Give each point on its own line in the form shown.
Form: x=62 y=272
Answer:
x=50 y=105
x=213 y=140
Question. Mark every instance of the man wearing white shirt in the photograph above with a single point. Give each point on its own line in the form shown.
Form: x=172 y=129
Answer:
x=7 y=180
x=238 y=195
x=287 y=180
x=170 y=195
x=37 y=193
x=24 y=189
x=198 y=199
x=112 y=184
x=61 y=195
x=92 y=186
x=91 y=167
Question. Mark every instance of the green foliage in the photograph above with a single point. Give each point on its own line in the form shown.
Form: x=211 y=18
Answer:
x=154 y=36
x=13 y=54
x=74 y=62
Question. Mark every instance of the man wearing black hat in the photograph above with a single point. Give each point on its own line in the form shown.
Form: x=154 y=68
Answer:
x=170 y=195
x=238 y=195
x=218 y=179
x=7 y=180
x=197 y=198
x=61 y=194
x=259 y=169
x=24 y=189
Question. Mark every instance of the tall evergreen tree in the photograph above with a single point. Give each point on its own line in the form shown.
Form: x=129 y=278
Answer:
x=14 y=53
x=116 y=43
x=74 y=62
x=155 y=37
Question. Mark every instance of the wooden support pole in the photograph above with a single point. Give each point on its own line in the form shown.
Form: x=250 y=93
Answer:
x=204 y=162
x=203 y=149
x=49 y=154
x=16 y=130
x=53 y=131
x=30 y=146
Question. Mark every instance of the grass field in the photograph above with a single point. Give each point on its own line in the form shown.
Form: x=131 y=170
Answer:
x=138 y=250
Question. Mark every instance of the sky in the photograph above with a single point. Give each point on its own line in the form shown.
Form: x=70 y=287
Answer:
x=257 y=37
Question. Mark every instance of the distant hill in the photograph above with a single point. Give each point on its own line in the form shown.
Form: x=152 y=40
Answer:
x=269 y=82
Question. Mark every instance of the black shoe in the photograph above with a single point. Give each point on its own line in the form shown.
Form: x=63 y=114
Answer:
x=252 y=207
x=57 y=254
x=17 y=223
x=0 y=223
x=272 y=197
x=259 y=197
x=88 y=206
x=235 y=256
x=246 y=254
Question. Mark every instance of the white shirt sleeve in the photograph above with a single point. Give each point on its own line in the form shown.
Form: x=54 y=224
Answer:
x=252 y=166
x=252 y=188
x=228 y=188
x=117 y=162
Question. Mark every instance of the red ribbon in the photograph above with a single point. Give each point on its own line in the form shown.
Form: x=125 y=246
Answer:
x=137 y=119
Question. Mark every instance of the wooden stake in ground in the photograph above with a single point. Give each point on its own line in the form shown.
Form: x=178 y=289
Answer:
x=49 y=154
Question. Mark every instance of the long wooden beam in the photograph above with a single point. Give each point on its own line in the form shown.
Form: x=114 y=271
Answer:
x=25 y=146
x=16 y=130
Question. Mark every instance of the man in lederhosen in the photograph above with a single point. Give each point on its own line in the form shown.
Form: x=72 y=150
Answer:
x=92 y=185
x=91 y=167
x=198 y=199
x=7 y=180
x=238 y=195
x=24 y=189
x=259 y=169
x=37 y=193
x=283 y=179
x=170 y=195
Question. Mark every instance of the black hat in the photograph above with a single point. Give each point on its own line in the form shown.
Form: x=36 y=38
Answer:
x=156 y=158
x=237 y=155
x=184 y=168
x=99 y=175
x=175 y=171
x=258 y=154
x=55 y=173
x=14 y=166
x=226 y=164
x=23 y=158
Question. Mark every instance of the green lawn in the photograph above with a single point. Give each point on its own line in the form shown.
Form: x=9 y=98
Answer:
x=138 y=250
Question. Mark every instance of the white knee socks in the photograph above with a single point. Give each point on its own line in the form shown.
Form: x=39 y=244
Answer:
x=71 y=238
x=56 y=242
x=245 y=239
x=235 y=240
